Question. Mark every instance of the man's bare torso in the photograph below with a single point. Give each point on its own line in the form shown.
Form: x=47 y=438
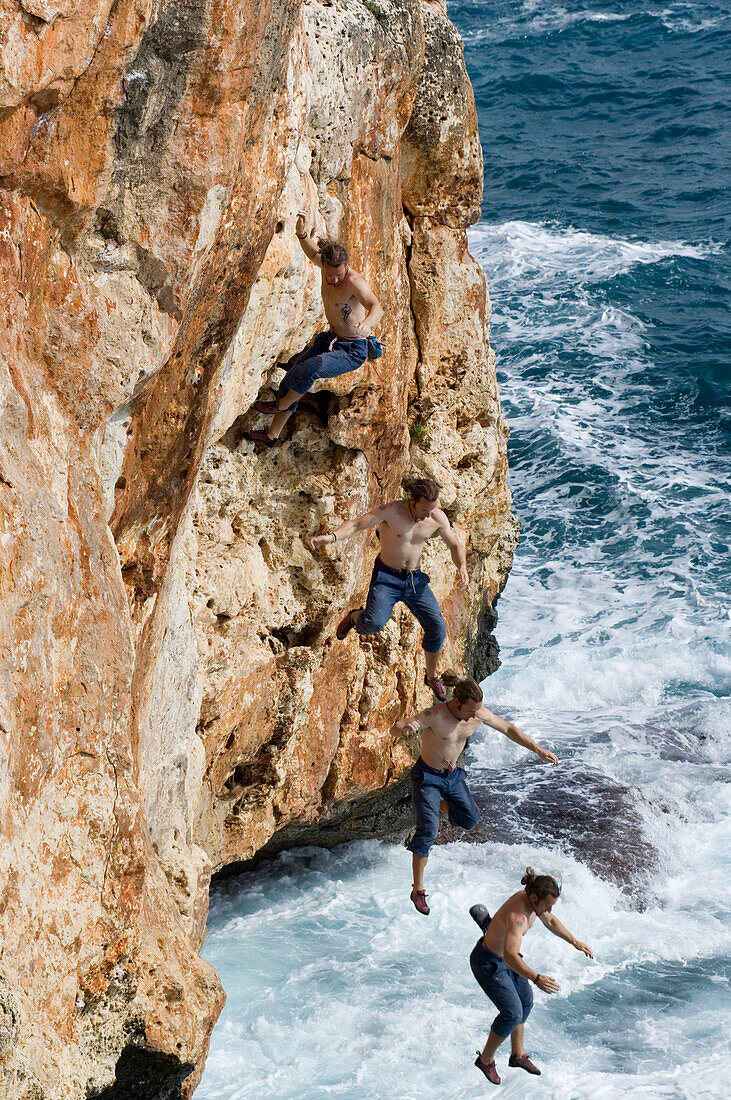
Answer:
x=518 y=903
x=402 y=540
x=443 y=740
x=343 y=310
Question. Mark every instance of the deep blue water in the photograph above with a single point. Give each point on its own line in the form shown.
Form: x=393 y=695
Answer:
x=605 y=240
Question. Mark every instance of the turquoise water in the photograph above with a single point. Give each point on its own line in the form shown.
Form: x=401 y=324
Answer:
x=605 y=241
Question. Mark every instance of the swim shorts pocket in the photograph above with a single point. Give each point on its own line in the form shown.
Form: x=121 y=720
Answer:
x=421 y=581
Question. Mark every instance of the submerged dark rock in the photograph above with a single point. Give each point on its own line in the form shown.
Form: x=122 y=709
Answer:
x=587 y=813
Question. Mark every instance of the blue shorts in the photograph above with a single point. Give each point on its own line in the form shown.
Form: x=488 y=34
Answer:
x=428 y=787
x=509 y=992
x=388 y=587
x=319 y=360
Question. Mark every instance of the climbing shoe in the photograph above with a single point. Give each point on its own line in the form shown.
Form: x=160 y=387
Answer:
x=522 y=1061
x=437 y=687
x=259 y=436
x=488 y=1069
x=418 y=897
x=267 y=407
x=347 y=624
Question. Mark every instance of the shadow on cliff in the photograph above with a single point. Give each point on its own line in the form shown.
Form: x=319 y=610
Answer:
x=142 y=1074
x=385 y=813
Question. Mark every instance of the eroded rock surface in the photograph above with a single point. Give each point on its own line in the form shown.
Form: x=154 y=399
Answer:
x=172 y=698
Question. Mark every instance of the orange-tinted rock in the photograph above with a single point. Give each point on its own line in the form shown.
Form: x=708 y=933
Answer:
x=172 y=697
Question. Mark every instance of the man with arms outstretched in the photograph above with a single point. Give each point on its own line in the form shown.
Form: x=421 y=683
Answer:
x=352 y=312
x=435 y=776
x=498 y=965
x=403 y=528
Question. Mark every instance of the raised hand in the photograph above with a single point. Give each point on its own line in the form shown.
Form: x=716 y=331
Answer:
x=300 y=226
x=548 y=985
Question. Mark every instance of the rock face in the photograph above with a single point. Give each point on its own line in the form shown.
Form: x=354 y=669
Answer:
x=172 y=698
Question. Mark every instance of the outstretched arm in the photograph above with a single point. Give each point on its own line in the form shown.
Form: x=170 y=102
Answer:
x=553 y=924
x=517 y=927
x=456 y=549
x=347 y=530
x=305 y=237
x=419 y=722
x=513 y=733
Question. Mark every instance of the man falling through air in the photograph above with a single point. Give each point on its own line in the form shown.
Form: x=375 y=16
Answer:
x=435 y=776
x=352 y=312
x=498 y=965
x=403 y=528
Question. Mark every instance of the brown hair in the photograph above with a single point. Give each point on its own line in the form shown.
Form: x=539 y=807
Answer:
x=540 y=885
x=464 y=686
x=421 y=488
x=332 y=253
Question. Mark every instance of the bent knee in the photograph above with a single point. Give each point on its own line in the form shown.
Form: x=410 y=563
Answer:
x=422 y=842
x=370 y=624
x=435 y=637
x=506 y=1023
x=464 y=819
x=464 y=816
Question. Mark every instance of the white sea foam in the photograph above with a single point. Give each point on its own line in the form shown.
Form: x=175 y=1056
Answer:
x=337 y=988
x=538 y=22
x=550 y=286
x=542 y=254
x=617 y=656
x=688 y=18
x=538 y=19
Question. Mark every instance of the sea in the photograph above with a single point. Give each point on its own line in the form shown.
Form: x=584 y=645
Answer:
x=605 y=239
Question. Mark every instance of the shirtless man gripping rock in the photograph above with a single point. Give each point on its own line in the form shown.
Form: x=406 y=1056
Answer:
x=403 y=528
x=352 y=312
x=498 y=965
x=435 y=776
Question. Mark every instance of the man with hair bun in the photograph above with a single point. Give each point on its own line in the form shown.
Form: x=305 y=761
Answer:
x=352 y=312
x=435 y=776
x=498 y=965
x=403 y=528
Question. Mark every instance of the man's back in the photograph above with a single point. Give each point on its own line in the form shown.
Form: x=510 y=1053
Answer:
x=514 y=907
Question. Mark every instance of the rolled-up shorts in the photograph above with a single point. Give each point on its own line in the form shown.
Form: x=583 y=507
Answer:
x=428 y=787
x=509 y=992
x=328 y=356
x=410 y=586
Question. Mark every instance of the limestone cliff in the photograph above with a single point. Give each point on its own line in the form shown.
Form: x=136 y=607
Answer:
x=172 y=699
